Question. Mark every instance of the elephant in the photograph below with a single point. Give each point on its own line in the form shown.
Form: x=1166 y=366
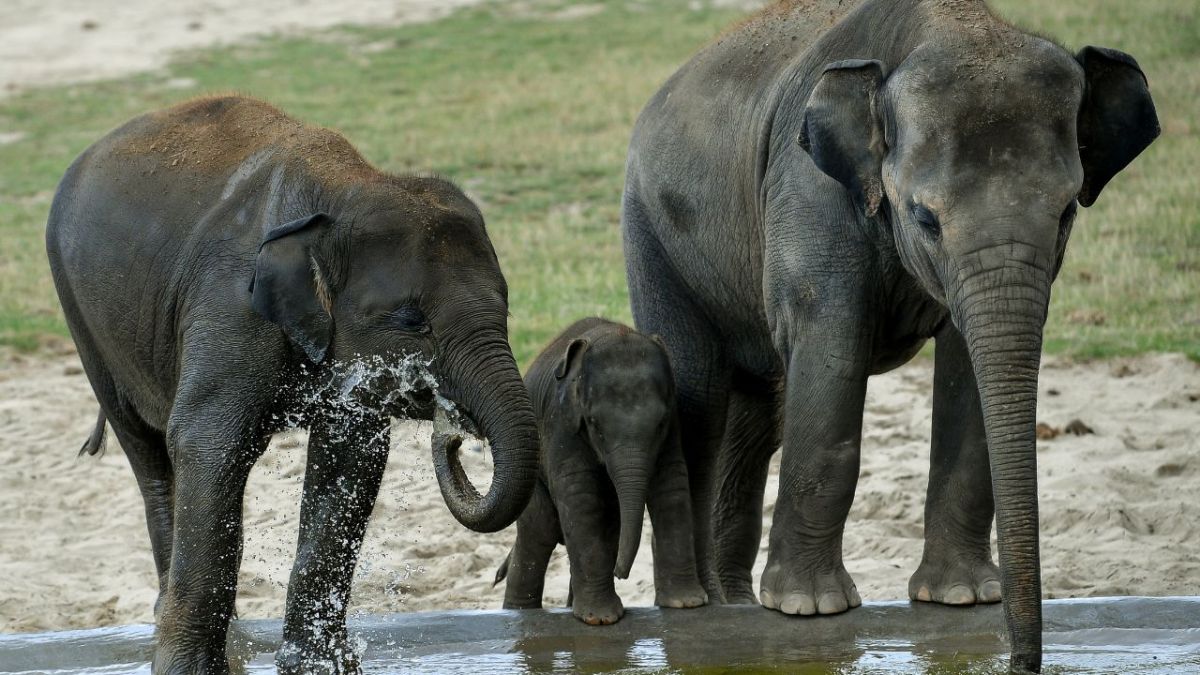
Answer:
x=227 y=271
x=604 y=398
x=807 y=201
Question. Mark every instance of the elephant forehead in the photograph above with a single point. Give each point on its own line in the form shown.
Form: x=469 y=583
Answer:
x=946 y=87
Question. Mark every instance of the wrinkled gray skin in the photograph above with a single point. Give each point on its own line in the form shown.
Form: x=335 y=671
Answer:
x=807 y=201
x=604 y=398
x=155 y=238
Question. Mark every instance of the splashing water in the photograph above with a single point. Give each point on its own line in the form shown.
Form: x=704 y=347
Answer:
x=346 y=392
x=448 y=420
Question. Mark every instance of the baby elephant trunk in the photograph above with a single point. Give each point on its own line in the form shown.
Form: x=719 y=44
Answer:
x=631 y=479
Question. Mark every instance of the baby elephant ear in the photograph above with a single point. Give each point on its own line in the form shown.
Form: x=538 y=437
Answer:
x=574 y=349
x=288 y=287
x=1117 y=121
x=842 y=131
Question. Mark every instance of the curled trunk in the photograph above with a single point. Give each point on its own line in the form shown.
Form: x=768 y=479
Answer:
x=481 y=378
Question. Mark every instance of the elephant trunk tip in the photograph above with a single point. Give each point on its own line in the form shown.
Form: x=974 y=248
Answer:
x=624 y=564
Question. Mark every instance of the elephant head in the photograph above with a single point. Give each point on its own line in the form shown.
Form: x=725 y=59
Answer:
x=974 y=161
x=623 y=394
x=409 y=270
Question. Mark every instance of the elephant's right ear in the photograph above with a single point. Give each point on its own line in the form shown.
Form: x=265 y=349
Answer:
x=289 y=288
x=842 y=130
x=572 y=352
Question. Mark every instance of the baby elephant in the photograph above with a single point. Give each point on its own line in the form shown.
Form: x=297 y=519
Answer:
x=604 y=398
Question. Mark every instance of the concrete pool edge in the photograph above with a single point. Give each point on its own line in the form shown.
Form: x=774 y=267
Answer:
x=746 y=629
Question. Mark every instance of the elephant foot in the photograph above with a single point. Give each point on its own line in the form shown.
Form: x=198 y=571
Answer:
x=955 y=582
x=740 y=594
x=680 y=595
x=806 y=590
x=338 y=658
x=600 y=611
x=169 y=661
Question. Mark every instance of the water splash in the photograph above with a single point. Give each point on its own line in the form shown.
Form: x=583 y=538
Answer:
x=344 y=393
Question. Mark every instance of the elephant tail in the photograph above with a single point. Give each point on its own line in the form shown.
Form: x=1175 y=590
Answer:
x=502 y=571
x=95 y=443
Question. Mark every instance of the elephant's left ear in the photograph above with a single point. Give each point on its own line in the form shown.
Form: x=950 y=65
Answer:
x=1117 y=121
x=842 y=130
x=289 y=287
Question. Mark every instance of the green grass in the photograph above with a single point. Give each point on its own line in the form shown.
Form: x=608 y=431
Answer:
x=532 y=114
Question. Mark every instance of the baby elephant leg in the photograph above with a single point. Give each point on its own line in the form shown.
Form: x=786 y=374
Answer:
x=676 y=581
x=591 y=529
x=538 y=532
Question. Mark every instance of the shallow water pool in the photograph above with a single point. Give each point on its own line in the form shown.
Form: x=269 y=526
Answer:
x=1099 y=635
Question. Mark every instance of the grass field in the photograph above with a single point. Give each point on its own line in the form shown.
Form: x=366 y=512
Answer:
x=531 y=114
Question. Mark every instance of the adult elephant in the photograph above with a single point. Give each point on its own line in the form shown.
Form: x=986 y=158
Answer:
x=807 y=201
x=225 y=271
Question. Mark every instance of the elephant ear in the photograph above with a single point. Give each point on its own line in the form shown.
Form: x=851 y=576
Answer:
x=571 y=354
x=289 y=288
x=1117 y=121
x=842 y=131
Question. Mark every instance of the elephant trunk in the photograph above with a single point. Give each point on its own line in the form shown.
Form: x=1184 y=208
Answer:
x=631 y=479
x=1000 y=313
x=481 y=378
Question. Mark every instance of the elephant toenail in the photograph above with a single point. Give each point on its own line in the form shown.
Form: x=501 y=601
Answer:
x=958 y=595
x=832 y=603
x=923 y=594
x=989 y=591
x=766 y=599
x=798 y=603
x=855 y=598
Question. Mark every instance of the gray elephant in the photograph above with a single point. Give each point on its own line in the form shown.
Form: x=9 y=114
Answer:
x=604 y=398
x=807 y=201
x=224 y=269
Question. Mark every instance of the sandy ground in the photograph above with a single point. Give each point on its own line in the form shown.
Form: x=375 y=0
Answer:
x=1120 y=507
x=57 y=41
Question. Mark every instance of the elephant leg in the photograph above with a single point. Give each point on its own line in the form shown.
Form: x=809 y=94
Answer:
x=663 y=305
x=146 y=450
x=591 y=528
x=144 y=446
x=210 y=479
x=822 y=434
x=538 y=532
x=346 y=462
x=676 y=580
x=957 y=567
x=751 y=437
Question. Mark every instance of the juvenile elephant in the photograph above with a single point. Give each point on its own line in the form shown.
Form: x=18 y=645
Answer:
x=807 y=201
x=224 y=269
x=604 y=398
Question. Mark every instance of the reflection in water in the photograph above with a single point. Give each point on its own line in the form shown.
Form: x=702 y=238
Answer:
x=484 y=644
x=648 y=653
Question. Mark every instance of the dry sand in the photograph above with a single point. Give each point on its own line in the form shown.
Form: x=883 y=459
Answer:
x=1120 y=507
x=58 y=41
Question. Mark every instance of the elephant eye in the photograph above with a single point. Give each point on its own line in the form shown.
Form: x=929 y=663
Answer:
x=409 y=318
x=926 y=219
